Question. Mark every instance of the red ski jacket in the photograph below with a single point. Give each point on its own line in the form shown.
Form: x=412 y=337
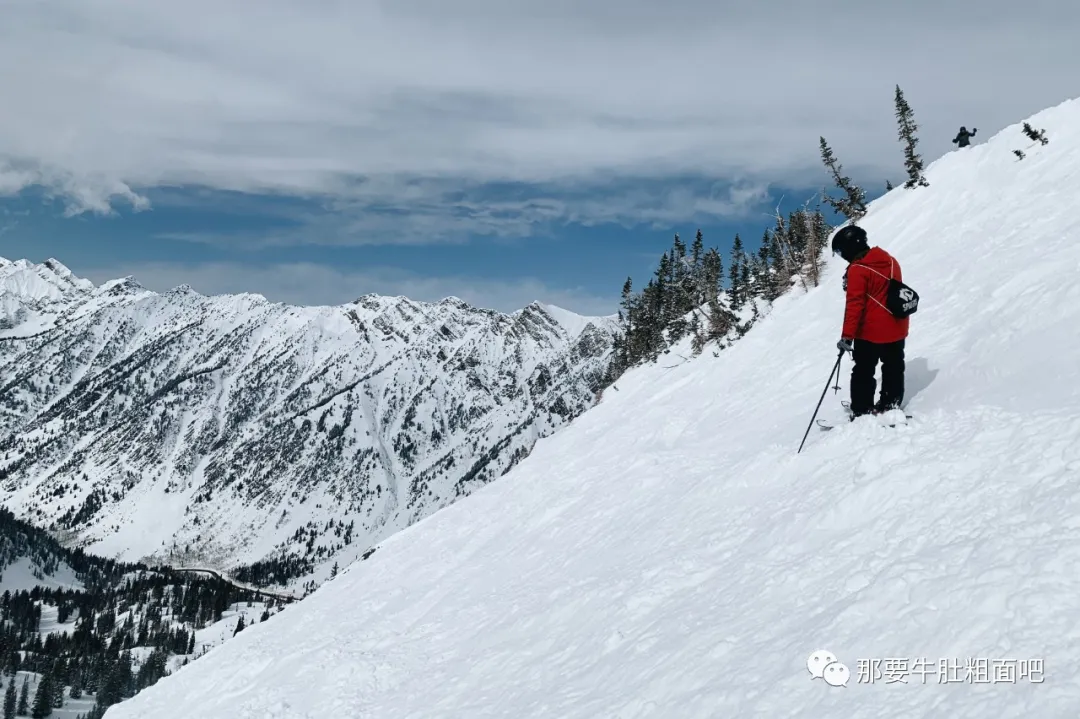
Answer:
x=866 y=281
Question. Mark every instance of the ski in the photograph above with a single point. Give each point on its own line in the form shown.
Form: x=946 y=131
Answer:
x=825 y=425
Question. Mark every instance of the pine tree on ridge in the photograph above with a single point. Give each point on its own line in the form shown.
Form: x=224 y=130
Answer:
x=853 y=204
x=913 y=163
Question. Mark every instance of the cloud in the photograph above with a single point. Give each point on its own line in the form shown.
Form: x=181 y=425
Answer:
x=88 y=192
x=448 y=211
x=391 y=104
x=314 y=284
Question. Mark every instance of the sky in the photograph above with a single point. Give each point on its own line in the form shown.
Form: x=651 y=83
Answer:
x=501 y=151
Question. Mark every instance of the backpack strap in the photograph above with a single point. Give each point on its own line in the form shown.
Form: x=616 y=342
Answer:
x=892 y=269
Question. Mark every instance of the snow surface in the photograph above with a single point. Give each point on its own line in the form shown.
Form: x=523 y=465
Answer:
x=19 y=576
x=50 y=620
x=670 y=555
x=573 y=323
x=221 y=631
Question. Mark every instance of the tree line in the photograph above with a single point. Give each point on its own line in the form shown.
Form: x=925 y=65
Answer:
x=691 y=294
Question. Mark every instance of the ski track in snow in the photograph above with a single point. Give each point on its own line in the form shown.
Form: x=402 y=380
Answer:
x=669 y=554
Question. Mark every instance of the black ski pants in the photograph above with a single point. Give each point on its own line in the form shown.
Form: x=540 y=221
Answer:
x=866 y=356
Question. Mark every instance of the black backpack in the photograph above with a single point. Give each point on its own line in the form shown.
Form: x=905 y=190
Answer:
x=900 y=300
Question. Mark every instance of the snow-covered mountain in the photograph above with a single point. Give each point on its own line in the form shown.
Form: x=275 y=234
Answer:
x=30 y=558
x=220 y=431
x=671 y=555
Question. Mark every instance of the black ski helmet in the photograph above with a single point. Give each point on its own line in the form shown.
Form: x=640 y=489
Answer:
x=850 y=242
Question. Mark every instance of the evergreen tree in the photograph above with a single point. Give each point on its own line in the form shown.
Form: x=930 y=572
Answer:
x=10 y=699
x=744 y=280
x=736 y=288
x=697 y=344
x=697 y=250
x=43 y=698
x=24 y=698
x=888 y=186
x=239 y=626
x=720 y=317
x=56 y=683
x=764 y=279
x=780 y=252
x=817 y=242
x=662 y=277
x=772 y=267
x=905 y=117
x=712 y=270
x=653 y=316
x=334 y=570
x=627 y=305
x=853 y=204
x=624 y=351
x=679 y=272
x=721 y=320
x=1036 y=135
x=689 y=297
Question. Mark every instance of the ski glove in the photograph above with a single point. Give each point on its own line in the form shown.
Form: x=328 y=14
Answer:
x=845 y=345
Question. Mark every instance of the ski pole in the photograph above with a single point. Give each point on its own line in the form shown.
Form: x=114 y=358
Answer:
x=835 y=370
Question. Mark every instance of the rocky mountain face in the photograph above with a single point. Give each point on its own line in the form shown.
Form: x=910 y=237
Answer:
x=231 y=430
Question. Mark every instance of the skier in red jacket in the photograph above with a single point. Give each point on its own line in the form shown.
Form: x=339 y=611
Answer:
x=871 y=333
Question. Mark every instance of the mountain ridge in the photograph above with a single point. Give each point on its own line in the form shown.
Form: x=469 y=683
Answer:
x=60 y=274
x=118 y=401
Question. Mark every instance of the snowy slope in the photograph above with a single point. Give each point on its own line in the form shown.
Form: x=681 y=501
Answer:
x=23 y=575
x=30 y=558
x=220 y=431
x=670 y=555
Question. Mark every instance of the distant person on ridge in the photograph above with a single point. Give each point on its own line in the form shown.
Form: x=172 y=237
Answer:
x=871 y=333
x=963 y=138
